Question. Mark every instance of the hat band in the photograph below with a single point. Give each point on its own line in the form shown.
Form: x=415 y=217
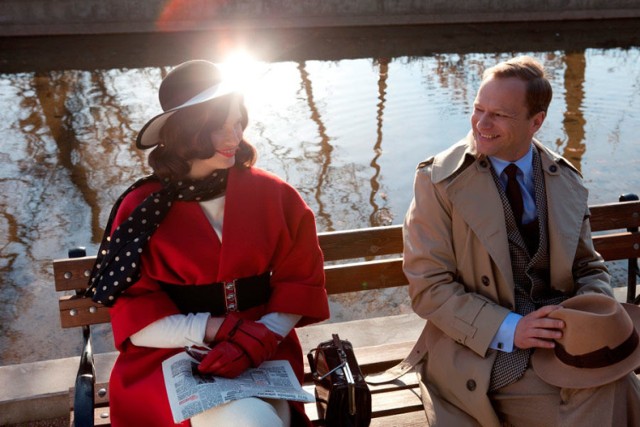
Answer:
x=600 y=358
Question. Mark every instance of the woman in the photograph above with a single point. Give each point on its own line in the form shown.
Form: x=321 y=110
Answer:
x=208 y=250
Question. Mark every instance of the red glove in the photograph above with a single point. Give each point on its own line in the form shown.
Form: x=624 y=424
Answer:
x=254 y=339
x=225 y=360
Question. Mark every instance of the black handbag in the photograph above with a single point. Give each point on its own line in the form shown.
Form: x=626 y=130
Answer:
x=342 y=396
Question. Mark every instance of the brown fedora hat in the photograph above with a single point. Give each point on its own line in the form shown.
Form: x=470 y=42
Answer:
x=190 y=83
x=599 y=343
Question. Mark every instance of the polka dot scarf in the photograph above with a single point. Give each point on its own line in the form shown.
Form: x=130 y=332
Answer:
x=117 y=264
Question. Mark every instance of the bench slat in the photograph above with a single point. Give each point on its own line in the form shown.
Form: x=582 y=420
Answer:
x=396 y=402
x=378 y=358
x=100 y=395
x=72 y=273
x=410 y=419
x=101 y=417
x=79 y=311
x=361 y=243
x=618 y=246
x=364 y=276
x=388 y=405
x=613 y=216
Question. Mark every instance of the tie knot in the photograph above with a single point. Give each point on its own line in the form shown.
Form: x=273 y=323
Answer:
x=511 y=170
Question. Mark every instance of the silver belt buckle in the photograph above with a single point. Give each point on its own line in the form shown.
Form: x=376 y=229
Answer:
x=230 y=296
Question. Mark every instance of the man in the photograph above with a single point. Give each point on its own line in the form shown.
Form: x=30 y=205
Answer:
x=496 y=237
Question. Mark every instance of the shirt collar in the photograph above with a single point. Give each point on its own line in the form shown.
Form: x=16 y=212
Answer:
x=524 y=163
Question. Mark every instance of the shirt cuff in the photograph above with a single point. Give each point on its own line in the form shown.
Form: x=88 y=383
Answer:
x=503 y=340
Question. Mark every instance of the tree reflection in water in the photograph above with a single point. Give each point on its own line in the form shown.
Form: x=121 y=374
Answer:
x=347 y=132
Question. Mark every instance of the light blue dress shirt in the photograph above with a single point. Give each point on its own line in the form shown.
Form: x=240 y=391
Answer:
x=503 y=340
x=524 y=178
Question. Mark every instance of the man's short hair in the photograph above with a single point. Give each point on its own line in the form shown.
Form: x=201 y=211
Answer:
x=538 y=90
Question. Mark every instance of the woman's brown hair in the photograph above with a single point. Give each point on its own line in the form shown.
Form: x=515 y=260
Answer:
x=186 y=136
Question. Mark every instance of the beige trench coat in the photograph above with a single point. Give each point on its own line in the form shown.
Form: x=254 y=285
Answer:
x=456 y=258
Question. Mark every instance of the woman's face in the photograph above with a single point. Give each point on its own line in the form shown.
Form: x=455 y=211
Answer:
x=226 y=141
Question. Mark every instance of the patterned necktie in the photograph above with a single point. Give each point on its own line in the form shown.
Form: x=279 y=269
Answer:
x=514 y=194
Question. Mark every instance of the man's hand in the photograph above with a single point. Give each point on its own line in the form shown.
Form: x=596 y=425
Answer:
x=537 y=330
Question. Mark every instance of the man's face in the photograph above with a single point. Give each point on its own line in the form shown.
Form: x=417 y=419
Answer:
x=500 y=123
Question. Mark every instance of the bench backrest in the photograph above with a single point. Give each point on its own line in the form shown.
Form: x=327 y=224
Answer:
x=357 y=260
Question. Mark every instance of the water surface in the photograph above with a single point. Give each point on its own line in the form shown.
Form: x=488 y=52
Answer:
x=343 y=115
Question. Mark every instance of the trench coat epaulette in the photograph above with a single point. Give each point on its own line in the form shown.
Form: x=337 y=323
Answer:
x=561 y=161
x=425 y=165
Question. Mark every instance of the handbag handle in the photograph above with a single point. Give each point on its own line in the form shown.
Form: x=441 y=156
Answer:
x=344 y=365
x=351 y=384
x=314 y=371
x=314 y=368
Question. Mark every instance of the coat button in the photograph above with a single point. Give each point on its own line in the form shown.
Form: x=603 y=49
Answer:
x=471 y=385
x=485 y=280
x=553 y=168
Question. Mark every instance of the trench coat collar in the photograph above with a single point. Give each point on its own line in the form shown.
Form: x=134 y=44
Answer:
x=470 y=186
x=449 y=162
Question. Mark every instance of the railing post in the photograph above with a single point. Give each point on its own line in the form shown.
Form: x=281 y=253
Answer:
x=632 y=263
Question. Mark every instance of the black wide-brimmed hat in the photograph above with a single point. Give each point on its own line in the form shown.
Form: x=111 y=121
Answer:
x=190 y=83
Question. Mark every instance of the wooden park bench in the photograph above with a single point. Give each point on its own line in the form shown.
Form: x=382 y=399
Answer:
x=355 y=261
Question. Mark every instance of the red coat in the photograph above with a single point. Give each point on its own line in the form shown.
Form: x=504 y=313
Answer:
x=267 y=226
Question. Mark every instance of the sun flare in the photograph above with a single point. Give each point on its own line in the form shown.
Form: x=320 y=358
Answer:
x=242 y=69
x=263 y=84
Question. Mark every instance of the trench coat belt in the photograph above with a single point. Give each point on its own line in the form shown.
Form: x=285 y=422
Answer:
x=415 y=356
x=221 y=297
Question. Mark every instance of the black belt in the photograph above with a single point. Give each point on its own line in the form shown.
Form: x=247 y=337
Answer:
x=221 y=297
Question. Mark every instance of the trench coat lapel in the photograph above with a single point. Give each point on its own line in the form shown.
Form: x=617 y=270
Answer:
x=475 y=196
x=564 y=226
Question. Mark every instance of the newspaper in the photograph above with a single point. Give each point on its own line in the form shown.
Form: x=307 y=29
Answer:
x=191 y=392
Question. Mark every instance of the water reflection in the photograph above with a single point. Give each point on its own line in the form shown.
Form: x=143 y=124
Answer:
x=346 y=131
x=377 y=215
x=322 y=158
x=574 y=122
